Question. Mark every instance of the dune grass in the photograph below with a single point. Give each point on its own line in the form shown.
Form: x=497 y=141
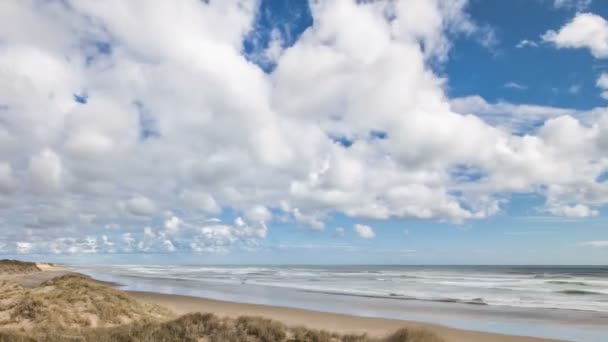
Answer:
x=71 y=301
x=15 y=266
x=77 y=308
x=209 y=328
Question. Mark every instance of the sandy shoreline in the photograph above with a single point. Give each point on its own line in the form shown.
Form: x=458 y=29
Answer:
x=340 y=323
x=319 y=320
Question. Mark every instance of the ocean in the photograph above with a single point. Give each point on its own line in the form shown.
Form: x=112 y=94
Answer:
x=547 y=301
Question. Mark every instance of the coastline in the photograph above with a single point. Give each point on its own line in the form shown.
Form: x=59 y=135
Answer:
x=340 y=323
x=222 y=283
x=335 y=322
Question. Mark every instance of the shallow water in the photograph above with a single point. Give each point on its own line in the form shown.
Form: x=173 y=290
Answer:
x=558 y=302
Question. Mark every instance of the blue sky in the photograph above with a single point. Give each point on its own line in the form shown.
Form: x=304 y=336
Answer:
x=285 y=132
x=548 y=75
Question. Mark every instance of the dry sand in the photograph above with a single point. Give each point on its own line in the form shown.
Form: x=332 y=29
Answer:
x=319 y=320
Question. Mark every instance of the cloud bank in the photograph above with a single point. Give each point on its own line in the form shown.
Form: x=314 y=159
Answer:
x=129 y=127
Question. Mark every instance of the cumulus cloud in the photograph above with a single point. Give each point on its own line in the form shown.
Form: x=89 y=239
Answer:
x=120 y=119
x=258 y=213
x=172 y=224
x=602 y=83
x=364 y=232
x=586 y=30
x=140 y=206
x=521 y=118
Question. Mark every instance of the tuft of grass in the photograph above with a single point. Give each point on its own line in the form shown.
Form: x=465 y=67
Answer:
x=417 y=335
x=263 y=329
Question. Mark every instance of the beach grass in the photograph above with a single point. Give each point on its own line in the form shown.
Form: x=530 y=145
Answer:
x=197 y=327
x=77 y=308
x=8 y=266
x=71 y=301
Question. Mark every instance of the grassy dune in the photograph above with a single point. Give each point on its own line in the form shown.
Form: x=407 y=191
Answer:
x=209 y=328
x=17 y=267
x=77 y=308
x=70 y=301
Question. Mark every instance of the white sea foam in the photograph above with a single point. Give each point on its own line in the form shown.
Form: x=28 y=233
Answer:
x=583 y=288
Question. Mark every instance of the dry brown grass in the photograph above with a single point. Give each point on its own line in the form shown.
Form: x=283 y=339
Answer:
x=17 y=267
x=71 y=301
x=199 y=327
x=76 y=308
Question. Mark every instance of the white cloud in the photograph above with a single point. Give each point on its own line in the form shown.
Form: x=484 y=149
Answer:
x=24 y=247
x=45 y=171
x=172 y=224
x=200 y=201
x=177 y=120
x=258 y=213
x=168 y=245
x=219 y=236
x=364 y=232
x=578 y=210
x=511 y=116
x=515 y=85
x=148 y=232
x=602 y=83
x=594 y=244
x=586 y=30
x=140 y=206
x=572 y=4
x=526 y=43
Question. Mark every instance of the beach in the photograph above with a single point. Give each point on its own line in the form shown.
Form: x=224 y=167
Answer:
x=339 y=323
x=562 y=303
x=375 y=317
x=344 y=314
x=320 y=320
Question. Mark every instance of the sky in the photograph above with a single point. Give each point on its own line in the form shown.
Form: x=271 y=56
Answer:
x=296 y=132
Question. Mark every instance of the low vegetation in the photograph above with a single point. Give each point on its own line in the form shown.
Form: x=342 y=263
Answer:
x=71 y=301
x=76 y=308
x=17 y=267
